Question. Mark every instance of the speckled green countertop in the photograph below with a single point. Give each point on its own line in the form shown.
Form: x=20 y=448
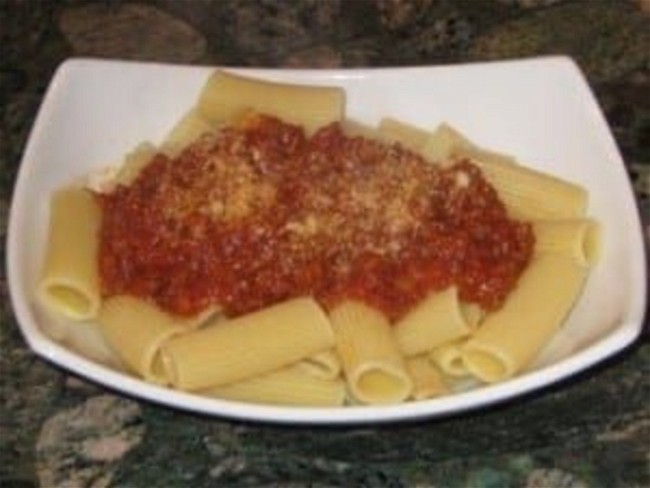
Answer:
x=57 y=430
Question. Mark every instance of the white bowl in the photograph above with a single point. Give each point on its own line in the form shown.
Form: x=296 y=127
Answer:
x=540 y=110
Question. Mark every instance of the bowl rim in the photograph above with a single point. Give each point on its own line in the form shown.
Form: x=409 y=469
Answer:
x=607 y=346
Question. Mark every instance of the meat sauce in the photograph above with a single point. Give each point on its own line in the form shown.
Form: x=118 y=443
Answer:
x=259 y=212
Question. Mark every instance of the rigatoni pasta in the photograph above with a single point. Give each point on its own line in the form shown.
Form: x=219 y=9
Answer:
x=324 y=364
x=69 y=280
x=577 y=238
x=511 y=337
x=448 y=357
x=226 y=96
x=408 y=135
x=373 y=365
x=438 y=319
x=291 y=385
x=136 y=330
x=428 y=381
x=188 y=129
x=134 y=162
x=528 y=194
x=531 y=194
x=247 y=346
x=337 y=262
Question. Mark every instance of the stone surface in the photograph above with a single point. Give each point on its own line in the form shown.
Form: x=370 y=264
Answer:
x=607 y=38
x=80 y=446
x=130 y=32
x=315 y=57
x=57 y=429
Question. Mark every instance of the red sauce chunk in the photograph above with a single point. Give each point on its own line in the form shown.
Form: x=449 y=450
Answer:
x=257 y=212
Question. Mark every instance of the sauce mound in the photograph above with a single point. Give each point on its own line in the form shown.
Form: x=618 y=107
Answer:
x=258 y=212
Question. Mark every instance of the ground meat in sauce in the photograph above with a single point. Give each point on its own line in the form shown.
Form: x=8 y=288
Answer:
x=258 y=212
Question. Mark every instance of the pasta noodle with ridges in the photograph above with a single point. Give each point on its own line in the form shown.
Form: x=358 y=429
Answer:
x=529 y=194
x=511 y=337
x=226 y=95
x=136 y=330
x=440 y=318
x=324 y=364
x=449 y=359
x=186 y=131
x=248 y=345
x=353 y=128
x=578 y=238
x=69 y=280
x=409 y=136
x=291 y=385
x=134 y=163
x=373 y=365
x=428 y=382
x=526 y=193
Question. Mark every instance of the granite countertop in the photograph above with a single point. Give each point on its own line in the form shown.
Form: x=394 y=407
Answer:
x=58 y=430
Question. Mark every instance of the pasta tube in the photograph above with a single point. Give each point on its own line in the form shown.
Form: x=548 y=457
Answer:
x=324 y=364
x=353 y=128
x=526 y=193
x=511 y=337
x=291 y=385
x=439 y=318
x=578 y=238
x=226 y=95
x=409 y=136
x=134 y=163
x=186 y=131
x=439 y=146
x=70 y=279
x=247 y=346
x=446 y=141
x=449 y=359
x=373 y=366
x=530 y=194
x=137 y=329
x=427 y=380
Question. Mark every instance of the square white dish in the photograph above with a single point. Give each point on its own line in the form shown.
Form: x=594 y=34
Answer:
x=539 y=110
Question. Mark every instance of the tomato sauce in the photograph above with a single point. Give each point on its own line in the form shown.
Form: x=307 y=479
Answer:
x=258 y=212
